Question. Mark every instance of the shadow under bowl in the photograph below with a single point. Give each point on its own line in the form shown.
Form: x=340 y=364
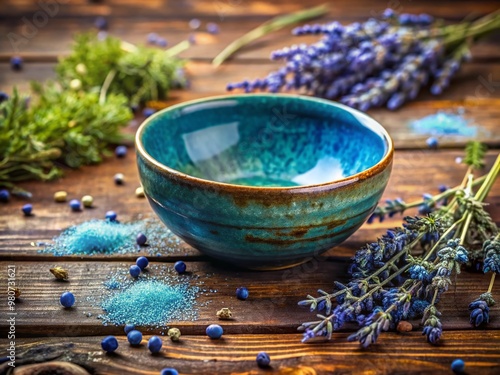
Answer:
x=264 y=181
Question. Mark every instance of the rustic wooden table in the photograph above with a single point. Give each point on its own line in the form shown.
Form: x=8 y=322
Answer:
x=269 y=319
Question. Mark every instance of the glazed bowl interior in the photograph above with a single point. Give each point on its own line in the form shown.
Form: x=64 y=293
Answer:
x=262 y=140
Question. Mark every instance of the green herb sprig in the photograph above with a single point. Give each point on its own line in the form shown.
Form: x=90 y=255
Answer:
x=71 y=122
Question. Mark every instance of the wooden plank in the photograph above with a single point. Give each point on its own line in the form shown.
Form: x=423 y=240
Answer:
x=469 y=91
x=414 y=173
x=41 y=46
x=272 y=306
x=235 y=354
x=217 y=9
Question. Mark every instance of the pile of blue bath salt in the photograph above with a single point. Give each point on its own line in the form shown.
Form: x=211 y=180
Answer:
x=111 y=237
x=156 y=298
x=445 y=124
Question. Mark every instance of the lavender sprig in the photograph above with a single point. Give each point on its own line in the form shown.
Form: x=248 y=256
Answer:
x=391 y=283
x=374 y=63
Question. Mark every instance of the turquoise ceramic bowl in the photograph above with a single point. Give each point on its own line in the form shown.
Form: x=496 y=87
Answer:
x=263 y=181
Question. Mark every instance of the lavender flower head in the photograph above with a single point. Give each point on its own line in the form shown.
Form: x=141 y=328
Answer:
x=364 y=65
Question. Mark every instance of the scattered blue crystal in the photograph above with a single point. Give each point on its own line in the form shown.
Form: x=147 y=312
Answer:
x=443 y=123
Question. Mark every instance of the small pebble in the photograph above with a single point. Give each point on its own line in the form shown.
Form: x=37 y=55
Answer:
x=174 y=334
x=142 y=262
x=101 y=23
x=141 y=239
x=214 y=331
x=404 y=326
x=17 y=292
x=169 y=371
x=59 y=273
x=242 y=293
x=458 y=366
x=87 y=201
x=109 y=344
x=432 y=142
x=263 y=359
x=139 y=192
x=4 y=195
x=121 y=151
x=16 y=63
x=194 y=24
x=119 y=178
x=135 y=271
x=134 y=337
x=146 y=112
x=458 y=160
x=212 y=28
x=128 y=328
x=60 y=196
x=155 y=344
x=67 y=299
x=111 y=216
x=75 y=205
x=224 y=313
x=180 y=266
x=27 y=209
x=152 y=38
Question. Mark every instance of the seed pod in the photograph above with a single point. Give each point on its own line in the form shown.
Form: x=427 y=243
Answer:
x=224 y=313
x=59 y=273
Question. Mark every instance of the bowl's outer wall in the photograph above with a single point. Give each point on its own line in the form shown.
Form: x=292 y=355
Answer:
x=261 y=228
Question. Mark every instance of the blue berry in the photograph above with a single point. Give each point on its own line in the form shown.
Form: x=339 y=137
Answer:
x=242 y=293
x=212 y=28
x=458 y=366
x=432 y=142
x=134 y=337
x=214 y=331
x=180 y=266
x=161 y=42
x=119 y=178
x=128 y=328
x=152 y=38
x=111 y=215
x=121 y=151
x=141 y=239
x=146 y=112
x=154 y=344
x=16 y=63
x=194 y=24
x=101 y=23
x=263 y=359
x=67 y=299
x=169 y=371
x=4 y=195
x=27 y=208
x=142 y=262
x=135 y=271
x=75 y=205
x=3 y=96
x=109 y=344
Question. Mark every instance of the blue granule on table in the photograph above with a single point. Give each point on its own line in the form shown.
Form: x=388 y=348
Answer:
x=105 y=237
x=444 y=123
x=150 y=302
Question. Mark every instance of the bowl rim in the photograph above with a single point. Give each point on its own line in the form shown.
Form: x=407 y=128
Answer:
x=370 y=123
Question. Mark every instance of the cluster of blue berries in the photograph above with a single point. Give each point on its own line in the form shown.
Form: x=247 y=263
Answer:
x=364 y=65
x=140 y=265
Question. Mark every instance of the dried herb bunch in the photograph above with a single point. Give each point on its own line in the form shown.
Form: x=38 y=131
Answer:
x=70 y=122
x=376 y=63
x=406 y=272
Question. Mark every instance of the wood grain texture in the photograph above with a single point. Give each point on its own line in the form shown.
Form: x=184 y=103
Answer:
x=235 y=354
x=272 y=306
x=429 y=169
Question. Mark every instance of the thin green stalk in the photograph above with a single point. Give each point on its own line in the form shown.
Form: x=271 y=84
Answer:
x=105 y=86
x=443 y=236
x=268 y=27
x=492 y=281
x=178 y=48
x=485 y=188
